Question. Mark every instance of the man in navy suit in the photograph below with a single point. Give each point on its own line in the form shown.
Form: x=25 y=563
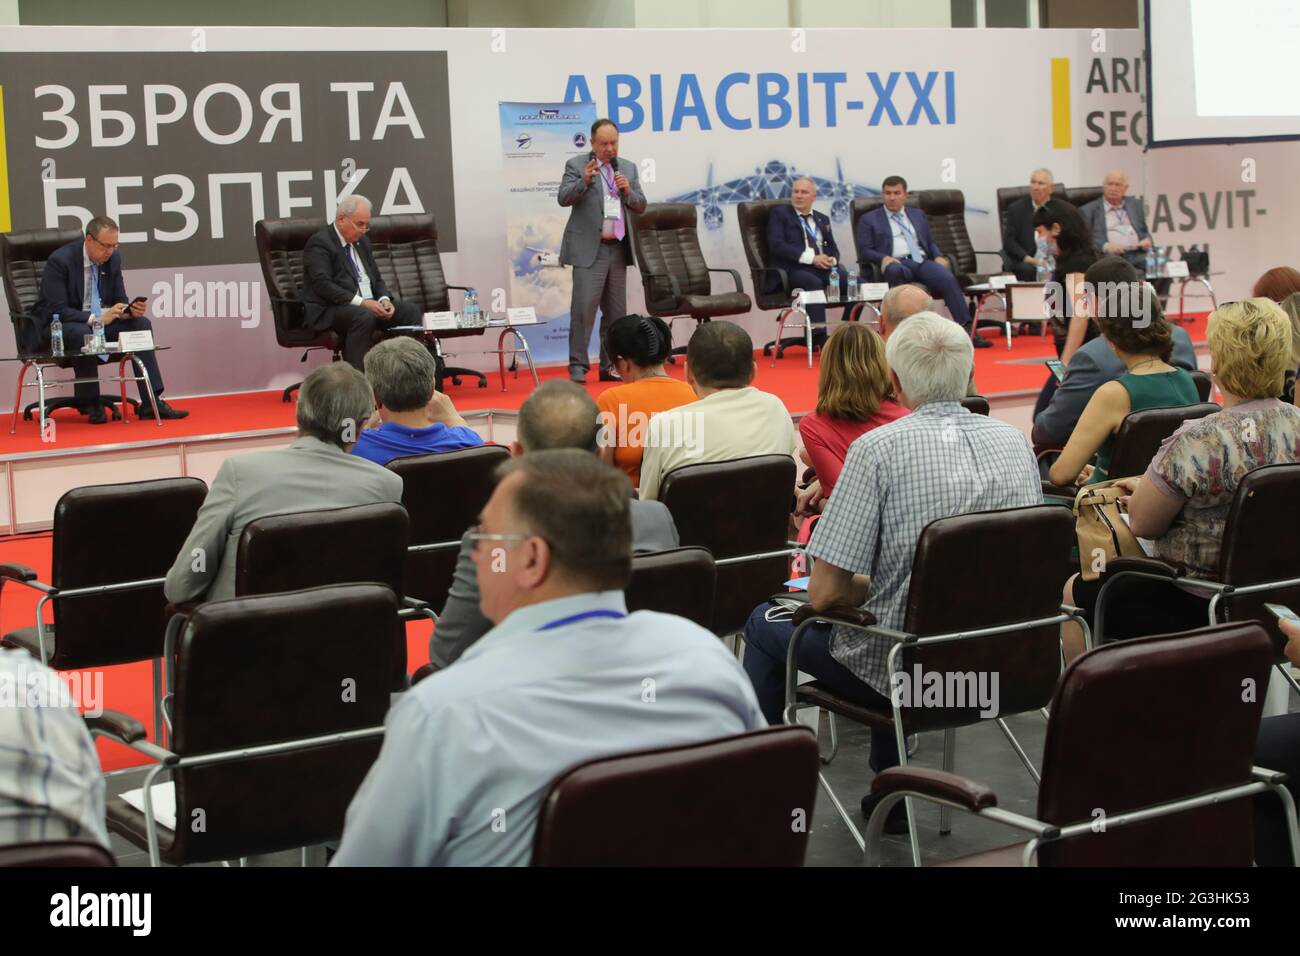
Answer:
x=898 y=240
x=799 y=241
x=82 y=279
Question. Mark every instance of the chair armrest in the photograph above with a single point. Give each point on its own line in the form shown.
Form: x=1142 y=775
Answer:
x=989 y=252
x=1144 y=566
x=460 y=288
x=936 y=784
x=17 y=572
x=1043 y=452
x=184 y=609
x=841 y=614
x=781 y=274
x=735 y=277
x=672 y=282
x=1051 y=490
x=121 y=727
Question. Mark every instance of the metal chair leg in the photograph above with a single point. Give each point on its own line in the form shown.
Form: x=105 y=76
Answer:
x=18 y=397
x=1020 y=751
x=949 y=757
x=835 y=741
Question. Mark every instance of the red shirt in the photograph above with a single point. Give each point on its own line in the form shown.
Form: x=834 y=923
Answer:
x=827 y=439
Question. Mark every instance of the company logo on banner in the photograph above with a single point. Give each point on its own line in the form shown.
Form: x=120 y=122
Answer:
x=537 y=139
x=187 y=150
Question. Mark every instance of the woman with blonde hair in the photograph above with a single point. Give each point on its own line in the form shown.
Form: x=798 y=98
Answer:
x=1182 y=501
x=853 y=397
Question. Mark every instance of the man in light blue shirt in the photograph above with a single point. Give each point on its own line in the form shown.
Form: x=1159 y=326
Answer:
x=411 y=416
x=565 y=676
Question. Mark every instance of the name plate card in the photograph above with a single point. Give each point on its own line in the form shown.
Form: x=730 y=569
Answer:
x=1176 y=269
x=998 y=283
x=439 y=321
x=135 y=341
x=814 y=297
x=872 y=291
x=523 y=315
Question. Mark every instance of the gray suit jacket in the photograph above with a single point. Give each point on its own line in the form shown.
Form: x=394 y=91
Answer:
x=1094 y=214
x=1091 y=367
x=587 y=212
x=462 y=623
x=310 y=474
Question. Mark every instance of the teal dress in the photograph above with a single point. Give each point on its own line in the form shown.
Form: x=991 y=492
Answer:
x=1161 y=390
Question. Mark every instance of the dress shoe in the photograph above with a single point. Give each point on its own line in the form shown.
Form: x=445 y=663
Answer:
x=608 y=376
x=97 y=415
x=981 y=343
x=577 y=378
x=896 y=822
x=165 y=411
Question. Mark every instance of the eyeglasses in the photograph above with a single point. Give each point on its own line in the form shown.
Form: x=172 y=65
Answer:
x=363 y=226
x=476 y=534
x=107 y=245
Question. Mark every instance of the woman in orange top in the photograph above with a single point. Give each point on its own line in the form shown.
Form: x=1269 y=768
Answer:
x=638 y=346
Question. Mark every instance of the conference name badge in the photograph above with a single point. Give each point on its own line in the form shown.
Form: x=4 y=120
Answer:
x=135 y=341
x=439 y=321
x=521 y=315
x=613 y=206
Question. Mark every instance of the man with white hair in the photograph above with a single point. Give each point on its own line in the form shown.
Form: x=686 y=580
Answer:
x=939 y=461
x=1019 y=243
x=342 y=288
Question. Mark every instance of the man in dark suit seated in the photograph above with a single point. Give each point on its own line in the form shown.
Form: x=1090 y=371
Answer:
x=341 y=285
x=1019 y=242
x=898 y=240
x=799 y=240
x=81 y=280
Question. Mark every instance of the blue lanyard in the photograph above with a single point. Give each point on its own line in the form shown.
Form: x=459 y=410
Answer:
x=812 y=232
x=904 y=224
x=575 y=618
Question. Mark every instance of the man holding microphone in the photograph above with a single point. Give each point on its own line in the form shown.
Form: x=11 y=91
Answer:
x=599 y=189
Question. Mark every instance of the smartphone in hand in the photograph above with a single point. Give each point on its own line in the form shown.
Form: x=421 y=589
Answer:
x=1283 y=613
x=1058 y=368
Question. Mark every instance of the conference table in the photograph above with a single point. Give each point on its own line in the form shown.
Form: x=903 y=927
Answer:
x=111 y=350
x=435 y=326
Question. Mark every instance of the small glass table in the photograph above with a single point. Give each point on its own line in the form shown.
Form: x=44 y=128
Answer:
x=853 y=311
x=463 y=328
x=40 y=361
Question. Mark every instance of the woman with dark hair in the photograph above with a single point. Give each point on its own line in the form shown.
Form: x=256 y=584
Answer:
x=1071 y=241
x=1277 y=283
x=1130 y=319
x=638 y=345
x=1282 y=285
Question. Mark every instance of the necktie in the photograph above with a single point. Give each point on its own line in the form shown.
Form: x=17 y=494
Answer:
x=92 y=281
x=352 y=263
x=613 y=191
x=913 y=247
x=810 y=228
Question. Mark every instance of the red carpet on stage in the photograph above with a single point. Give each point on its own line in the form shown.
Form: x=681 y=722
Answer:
x=129 y=688
x=997 y=372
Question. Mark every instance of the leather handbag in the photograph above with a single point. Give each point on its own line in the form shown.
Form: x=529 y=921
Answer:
x=1103 y=532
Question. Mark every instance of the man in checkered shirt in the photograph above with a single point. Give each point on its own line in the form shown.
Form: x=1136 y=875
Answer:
x=939 y=461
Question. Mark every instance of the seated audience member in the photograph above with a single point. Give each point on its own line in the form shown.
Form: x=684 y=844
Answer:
x=638 y=346
x=731 y=419
x=470 y=752
x=799 y=240
x=897 y=238
x=1291 y=306
x=557 y=415
x=1278 y=748
x=342 y=287
x=1096 y=363
x=896 y=479
x=415 y=418
x=1282 y=285
x=854 y=395
x=51 y=787
x=1134 y=328
x=1195 y=475
x=1019 y=241
x=314 y=473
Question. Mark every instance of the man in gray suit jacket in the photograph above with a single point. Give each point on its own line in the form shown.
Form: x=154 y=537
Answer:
x=315 y=472
x=1119 y=227
x=556 y=415
x=599 y=189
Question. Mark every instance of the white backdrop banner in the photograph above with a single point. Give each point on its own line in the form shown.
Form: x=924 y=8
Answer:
x=537 y=139
x=286 y=121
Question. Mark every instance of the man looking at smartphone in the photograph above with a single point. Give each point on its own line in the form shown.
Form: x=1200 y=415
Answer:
x=599 y=188
x=83 y=279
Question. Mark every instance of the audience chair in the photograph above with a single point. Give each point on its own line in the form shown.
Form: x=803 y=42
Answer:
x=112 y=548
x=1007 y=623
x=674 y=275
x=443 y=494
x=1171 y=778
x=680 y=581
x=1258 y=562
x=1080 y=196
x=747 y=537
x=80 y=854
x=279 y=714
x=1204 y=385
x=977 y=404
x=752 y=217
x=728 y=802
x=23 y=255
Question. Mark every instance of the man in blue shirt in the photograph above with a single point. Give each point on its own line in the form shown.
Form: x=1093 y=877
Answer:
x=411 y=417
x=565 y=676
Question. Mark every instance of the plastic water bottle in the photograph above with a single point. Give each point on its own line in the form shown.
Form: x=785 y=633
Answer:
x=56 y=336
x=1041 y=271
x=471 y=309
x=833 y=288
x=853 y=287
x=97 y=333
x=1150 y=263
x=1162 y=259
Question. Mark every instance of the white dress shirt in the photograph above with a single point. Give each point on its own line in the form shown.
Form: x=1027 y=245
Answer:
x=363 y=277
x=50 y=782
x=471 y=751
x=810 y=250
x=901 y=249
